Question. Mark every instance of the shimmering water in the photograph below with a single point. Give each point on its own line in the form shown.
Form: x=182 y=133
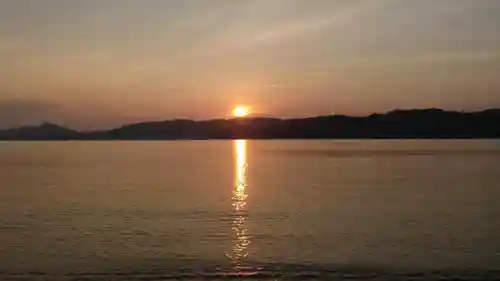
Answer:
x=254 y=209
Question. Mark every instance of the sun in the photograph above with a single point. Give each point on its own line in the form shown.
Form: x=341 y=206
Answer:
x=241 y=111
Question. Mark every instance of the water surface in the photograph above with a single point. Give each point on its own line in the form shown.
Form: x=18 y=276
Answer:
x=322 y=209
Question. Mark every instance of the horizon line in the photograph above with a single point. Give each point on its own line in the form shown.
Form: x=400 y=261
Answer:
x=251 y=117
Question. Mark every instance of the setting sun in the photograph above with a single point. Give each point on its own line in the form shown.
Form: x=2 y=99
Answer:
x=241 y=111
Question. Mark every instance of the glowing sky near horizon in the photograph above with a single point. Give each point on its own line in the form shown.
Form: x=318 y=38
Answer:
x=99 y=63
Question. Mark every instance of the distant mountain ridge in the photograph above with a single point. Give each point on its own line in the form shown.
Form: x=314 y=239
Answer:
x=43 y=131
x=414 y=123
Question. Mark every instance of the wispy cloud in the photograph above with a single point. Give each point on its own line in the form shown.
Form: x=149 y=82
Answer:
x=238 y=37
x=297 y=28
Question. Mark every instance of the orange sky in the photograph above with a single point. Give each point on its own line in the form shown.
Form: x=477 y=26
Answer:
x=90 y=63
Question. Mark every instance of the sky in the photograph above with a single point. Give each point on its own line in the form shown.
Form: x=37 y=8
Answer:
x=99 y=63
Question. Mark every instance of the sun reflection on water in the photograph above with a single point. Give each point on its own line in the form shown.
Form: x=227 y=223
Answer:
x=241 y=238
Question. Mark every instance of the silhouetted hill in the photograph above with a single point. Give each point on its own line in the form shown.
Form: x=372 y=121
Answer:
x=417 y=123
x=44 y=131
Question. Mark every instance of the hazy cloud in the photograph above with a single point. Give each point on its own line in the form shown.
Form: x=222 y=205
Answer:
x=93 y=63
x=17 y=112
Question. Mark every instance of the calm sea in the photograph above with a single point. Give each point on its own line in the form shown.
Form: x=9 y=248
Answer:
x=262 y=209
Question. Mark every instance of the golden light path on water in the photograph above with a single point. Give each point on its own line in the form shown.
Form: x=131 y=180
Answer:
x=241 y=239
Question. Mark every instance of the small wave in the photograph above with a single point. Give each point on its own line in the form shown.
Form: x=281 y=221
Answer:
x=262 y=272
x=386 y=153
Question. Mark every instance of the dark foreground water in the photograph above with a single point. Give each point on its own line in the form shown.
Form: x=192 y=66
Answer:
x=266 y=210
